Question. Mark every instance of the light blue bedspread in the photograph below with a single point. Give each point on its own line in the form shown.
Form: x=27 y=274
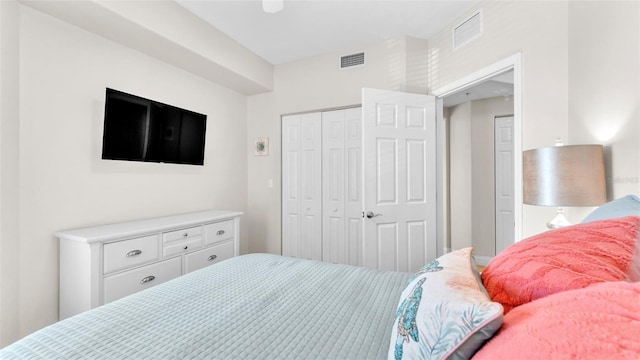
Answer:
x=255 y=306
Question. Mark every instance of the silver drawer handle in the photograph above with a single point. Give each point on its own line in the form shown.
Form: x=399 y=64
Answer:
x=220 y=232
x=134 y=253
x=147 y=279
x=212 y=257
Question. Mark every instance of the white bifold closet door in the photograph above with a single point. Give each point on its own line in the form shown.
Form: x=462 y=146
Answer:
x=359 y=187
x=302 y=186
x=322 y=186
x=342 y=186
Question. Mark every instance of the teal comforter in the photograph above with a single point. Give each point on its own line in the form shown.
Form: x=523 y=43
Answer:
x=256 y=306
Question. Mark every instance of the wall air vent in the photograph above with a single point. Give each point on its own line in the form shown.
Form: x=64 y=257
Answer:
x=349 y=61
x=468 y=30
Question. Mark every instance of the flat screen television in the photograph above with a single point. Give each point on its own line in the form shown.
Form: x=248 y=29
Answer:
x=139 y=129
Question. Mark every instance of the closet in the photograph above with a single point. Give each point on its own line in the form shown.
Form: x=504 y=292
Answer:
x=322 y=185
x=359 y=184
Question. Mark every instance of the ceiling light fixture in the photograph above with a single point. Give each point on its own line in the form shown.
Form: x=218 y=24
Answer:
x=272 y=6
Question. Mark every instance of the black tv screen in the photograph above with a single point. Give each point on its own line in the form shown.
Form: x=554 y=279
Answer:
x=139 y=129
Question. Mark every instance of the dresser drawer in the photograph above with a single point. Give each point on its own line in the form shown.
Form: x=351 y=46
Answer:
x=120 y=285
x=181 y=234
x=180 y=247
x=127 y=253
x=209 y=256
x=219 y=231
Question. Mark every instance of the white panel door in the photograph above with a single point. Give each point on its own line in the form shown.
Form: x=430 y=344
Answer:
x=505 y=220
x=301 y=186
x=399 y=180
x=342 y=186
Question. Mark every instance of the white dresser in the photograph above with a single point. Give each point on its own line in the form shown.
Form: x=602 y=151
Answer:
x=103 y=263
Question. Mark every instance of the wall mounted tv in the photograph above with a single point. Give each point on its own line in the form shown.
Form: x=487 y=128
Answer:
x=139 y=129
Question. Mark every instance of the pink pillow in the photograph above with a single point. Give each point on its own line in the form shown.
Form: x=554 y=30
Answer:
x=599 y=322
x=634 y=267
x=563 y=259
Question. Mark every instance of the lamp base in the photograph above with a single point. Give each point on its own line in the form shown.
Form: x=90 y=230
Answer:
x=559 y=220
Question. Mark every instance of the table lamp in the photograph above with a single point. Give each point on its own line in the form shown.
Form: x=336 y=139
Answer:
x=570 y=175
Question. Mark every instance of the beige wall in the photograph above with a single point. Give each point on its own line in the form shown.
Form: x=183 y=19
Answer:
x=575 y=55
x=315 y=84
x=604 y=89
x=537 y=30
x=9 y=171
x=64 y=183
x=460 y=179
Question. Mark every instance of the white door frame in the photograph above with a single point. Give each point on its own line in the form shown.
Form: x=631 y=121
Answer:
x=514 y=63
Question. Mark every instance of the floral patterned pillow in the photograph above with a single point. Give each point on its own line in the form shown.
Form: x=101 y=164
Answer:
x=444 y=311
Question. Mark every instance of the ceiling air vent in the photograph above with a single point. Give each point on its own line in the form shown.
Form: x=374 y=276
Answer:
x=349 y=61
x=467 y=30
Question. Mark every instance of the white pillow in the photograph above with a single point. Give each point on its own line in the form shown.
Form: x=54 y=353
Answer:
x=444 y=312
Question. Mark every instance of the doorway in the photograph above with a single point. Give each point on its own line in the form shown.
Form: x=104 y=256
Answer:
x=472 y=176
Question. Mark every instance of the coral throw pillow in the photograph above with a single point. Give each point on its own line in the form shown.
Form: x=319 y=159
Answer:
x=563 y=259
x=599 y=322
x=634 y=267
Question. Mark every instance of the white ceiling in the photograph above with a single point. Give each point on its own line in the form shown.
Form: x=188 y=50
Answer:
x=306 y=28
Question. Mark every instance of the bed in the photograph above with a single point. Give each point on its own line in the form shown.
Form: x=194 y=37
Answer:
x=252 y=306
x=568 y=293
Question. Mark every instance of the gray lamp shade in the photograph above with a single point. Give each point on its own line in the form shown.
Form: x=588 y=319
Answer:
x=570 y=175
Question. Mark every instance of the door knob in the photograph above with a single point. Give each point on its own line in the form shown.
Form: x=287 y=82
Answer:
x=371 y=215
